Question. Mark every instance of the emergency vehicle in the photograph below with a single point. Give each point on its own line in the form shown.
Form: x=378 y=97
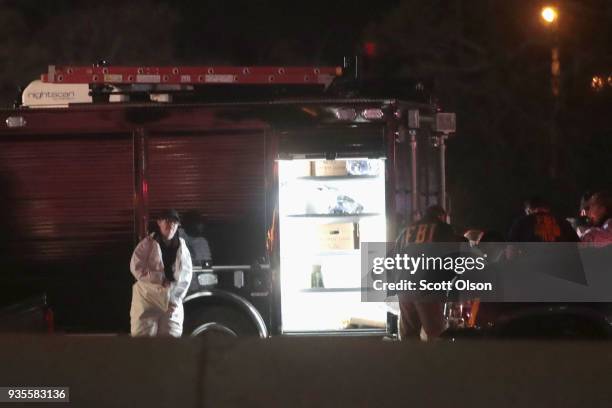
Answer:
x=288 y=167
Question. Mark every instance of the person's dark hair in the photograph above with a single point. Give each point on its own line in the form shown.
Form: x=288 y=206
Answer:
x=536 y=202
x=169 y=214
x=603 y=198
x=433 y=213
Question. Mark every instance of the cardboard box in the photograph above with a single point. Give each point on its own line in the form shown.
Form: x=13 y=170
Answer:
x=338 y=237
x=329 y=168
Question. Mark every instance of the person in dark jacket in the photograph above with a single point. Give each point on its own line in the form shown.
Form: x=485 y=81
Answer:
x=424 y=319
x=538 y=224
x=600 y=215
x=192 y=232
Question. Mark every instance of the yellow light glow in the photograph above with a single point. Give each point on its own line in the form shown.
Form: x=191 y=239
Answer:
x=549 y=14
x=597 y=83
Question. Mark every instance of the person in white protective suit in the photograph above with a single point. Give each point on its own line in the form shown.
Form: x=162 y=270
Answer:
x=161 y=264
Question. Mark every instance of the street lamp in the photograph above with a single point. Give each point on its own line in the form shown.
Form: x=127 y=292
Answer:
x=550 y=18
x=549 y=14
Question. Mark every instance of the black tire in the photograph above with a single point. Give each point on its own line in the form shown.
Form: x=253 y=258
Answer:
x=204 y=319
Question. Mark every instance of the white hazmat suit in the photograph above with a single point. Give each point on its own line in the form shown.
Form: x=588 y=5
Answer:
x=157 y=308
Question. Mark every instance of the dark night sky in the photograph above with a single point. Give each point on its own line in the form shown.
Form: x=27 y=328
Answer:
x=488 y=60
x=242 y=32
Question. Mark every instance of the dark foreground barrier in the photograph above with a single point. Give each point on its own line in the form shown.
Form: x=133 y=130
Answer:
x=310 y=372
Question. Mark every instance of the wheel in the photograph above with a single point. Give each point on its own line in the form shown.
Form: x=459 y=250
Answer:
x=204 y=319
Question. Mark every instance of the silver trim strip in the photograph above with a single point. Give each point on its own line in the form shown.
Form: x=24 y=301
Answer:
x=213 y=326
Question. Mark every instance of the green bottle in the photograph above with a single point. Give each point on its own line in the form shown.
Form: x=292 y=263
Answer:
x=316 y=277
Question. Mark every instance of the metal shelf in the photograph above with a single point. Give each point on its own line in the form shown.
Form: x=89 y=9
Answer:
x=326 y=290
x=336 y=290
x=338 y=252
x=328 y=178
x=332 y=215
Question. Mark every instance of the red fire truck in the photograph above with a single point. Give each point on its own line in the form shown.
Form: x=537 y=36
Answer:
x=286 y=169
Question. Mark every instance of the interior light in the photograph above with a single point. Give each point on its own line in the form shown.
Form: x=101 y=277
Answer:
x=348 y=114
x=372 y=114
x=15 y=121
x=303 y=210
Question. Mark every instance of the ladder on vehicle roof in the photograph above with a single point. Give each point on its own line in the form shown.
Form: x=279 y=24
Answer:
x=191 y=75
